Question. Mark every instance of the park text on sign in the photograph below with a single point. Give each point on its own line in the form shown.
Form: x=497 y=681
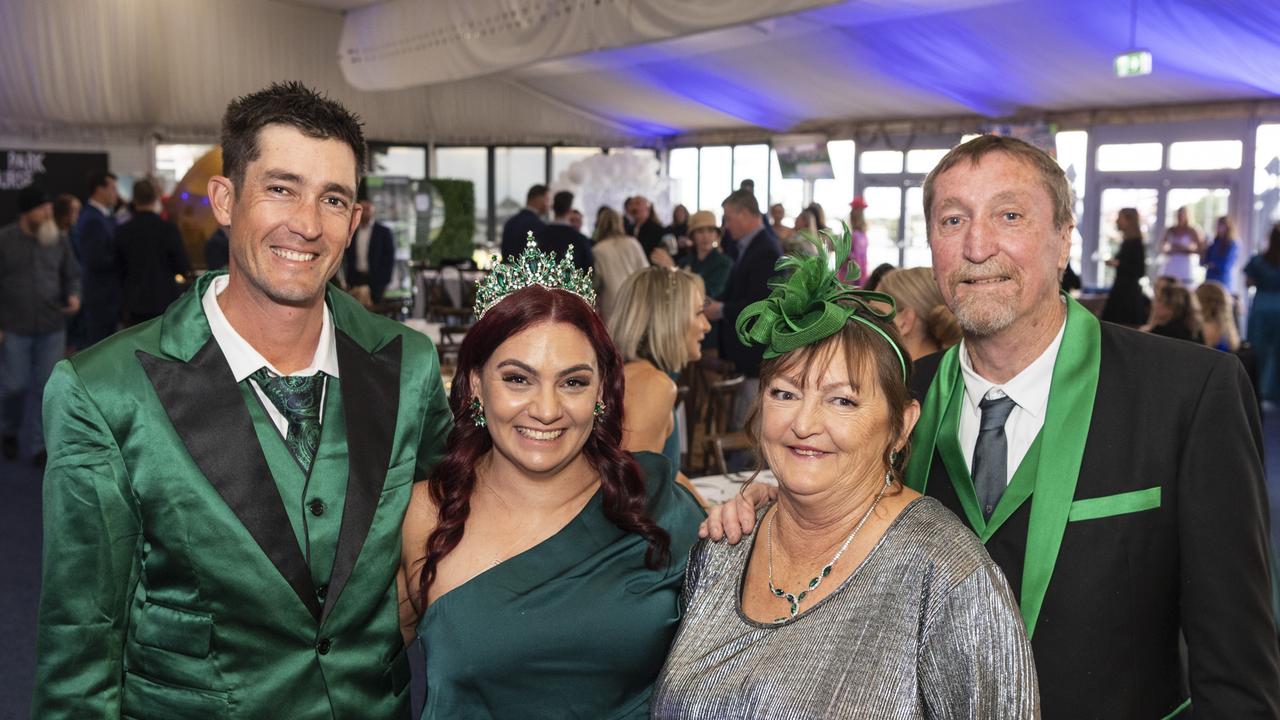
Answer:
x=20 y=169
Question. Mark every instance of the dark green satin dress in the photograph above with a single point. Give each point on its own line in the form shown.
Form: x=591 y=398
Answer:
x=575 y=627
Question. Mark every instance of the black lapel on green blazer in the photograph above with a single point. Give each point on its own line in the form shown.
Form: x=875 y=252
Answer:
x=370 y=403
x=207 y=410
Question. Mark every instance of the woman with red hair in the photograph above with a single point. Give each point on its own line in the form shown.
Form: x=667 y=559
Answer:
x=541 y=563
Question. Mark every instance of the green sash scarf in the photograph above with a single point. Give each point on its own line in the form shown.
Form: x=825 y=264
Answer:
x=1051 y=467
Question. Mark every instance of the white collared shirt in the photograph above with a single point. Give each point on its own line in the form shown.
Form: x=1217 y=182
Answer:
x=244 y=360
x=1029 y=391
x=101 y=208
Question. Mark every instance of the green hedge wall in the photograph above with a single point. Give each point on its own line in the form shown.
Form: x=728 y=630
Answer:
x=456 y=240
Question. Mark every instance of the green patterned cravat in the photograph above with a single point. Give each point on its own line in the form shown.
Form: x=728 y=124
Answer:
x=298 y=399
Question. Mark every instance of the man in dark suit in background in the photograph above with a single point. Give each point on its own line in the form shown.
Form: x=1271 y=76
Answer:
x=151 y=258
x=1116 y=477
x=371 y=256
x=559 y=235
x=100 y=278
x=516 y=232
x=644 y=226
x=759 y=251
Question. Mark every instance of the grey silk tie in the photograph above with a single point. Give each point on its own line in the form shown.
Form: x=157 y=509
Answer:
x=990 y=455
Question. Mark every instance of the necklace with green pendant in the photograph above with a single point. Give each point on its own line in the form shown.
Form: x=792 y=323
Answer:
x=794 y=599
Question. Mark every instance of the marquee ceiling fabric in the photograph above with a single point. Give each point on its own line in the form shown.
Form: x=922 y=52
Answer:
x=601 y=72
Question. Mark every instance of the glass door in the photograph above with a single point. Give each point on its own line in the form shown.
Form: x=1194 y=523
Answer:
x=1113 y=199
x=1204 y=206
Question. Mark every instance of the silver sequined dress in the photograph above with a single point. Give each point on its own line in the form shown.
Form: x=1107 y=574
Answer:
x=926 y=627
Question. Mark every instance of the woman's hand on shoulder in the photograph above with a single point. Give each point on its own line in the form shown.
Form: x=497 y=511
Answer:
x=735 y=518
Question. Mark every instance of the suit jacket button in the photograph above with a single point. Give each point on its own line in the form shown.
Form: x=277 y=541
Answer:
x=317 y=507
x=322 y=592
x=323 y=646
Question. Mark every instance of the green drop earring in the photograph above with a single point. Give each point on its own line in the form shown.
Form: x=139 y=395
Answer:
x=477 y=412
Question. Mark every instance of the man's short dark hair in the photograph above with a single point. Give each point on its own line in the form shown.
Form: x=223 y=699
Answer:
x=743 y=200
x=535 y=192
x=144 y=193
x=747 y=184
x=562 y=203
x=99 y=179
x=292 y=104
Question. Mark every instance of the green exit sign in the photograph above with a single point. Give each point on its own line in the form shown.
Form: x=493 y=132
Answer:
x=1133 y=63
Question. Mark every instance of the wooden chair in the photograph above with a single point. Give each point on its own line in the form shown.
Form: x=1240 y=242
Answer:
x=718 y=439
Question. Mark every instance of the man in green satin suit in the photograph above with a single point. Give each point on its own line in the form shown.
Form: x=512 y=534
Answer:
x=226 y=483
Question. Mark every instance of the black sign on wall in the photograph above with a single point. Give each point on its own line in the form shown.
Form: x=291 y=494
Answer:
x=56 y=172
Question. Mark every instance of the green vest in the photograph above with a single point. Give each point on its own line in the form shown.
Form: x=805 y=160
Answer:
x=313 y=503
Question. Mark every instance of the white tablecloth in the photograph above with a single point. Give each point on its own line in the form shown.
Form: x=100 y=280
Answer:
x=718 y=488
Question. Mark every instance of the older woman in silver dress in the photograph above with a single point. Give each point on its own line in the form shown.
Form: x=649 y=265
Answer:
x=857 y=597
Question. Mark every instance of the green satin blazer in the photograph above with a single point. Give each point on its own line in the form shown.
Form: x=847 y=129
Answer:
x=174 y=585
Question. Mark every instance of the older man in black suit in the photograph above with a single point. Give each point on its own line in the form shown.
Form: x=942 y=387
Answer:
x=1115 y=477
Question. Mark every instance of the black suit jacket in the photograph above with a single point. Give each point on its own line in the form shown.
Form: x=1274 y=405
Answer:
x=1176 y=416
x=748 y=283
x=149 y=253
x=381 y=257
x=515 y=232
x=559 y=238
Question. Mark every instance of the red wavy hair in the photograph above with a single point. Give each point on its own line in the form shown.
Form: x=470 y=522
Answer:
x=451 y=482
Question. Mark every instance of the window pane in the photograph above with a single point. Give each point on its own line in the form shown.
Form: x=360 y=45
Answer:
x=790 y=193
x=922 y=161
x=884 y=205
x=515 y=170
x=1266 y=187
x=400 y=161
x=468 y=163
x=716 y=181
x=751 y=162
x=563 y=157
x=834 y=195
x=1113 y=200
x=1073 y=155
x=1130 y=156
x=881 y=161
x=917 y=239
x=1206 y=155
x=683 y=170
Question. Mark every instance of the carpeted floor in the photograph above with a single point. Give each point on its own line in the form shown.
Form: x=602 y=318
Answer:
x=20 y=550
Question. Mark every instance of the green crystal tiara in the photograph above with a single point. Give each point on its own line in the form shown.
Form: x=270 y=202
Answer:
x=533 y=267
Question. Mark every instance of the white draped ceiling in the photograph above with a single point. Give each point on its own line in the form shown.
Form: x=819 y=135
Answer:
x=614 y=71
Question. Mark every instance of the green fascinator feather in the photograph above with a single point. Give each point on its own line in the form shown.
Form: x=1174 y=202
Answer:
x=809 y=302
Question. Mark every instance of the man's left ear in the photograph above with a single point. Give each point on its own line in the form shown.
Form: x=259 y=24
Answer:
x=1064 y=256
x=357 y=210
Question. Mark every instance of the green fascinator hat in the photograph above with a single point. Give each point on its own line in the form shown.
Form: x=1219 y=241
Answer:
x=812 y=303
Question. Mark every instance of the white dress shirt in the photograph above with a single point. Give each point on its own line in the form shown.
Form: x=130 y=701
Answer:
x=245 y=361
x=1029 y=391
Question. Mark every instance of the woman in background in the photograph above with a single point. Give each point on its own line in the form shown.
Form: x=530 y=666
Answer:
x=1181 y=242
x=1126 y=303
x=1217 y=311
x=709 y=263
x=858 y=242
x=1220 y=257
x=658 y=327
x=617 y=255
x=925 y=322
x=1175 y=313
